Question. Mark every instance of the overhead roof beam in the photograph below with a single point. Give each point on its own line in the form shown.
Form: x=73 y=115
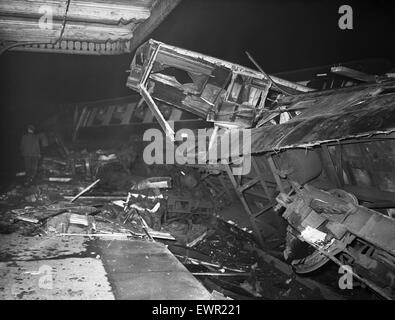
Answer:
x=110 y=12
x=159 y=12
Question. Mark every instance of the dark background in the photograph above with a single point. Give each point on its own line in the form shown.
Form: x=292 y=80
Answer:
x=281 y=35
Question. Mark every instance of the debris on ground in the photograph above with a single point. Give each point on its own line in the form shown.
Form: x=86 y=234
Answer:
x=72 y=198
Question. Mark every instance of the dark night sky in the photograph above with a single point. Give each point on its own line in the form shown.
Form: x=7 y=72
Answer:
x=281 y=35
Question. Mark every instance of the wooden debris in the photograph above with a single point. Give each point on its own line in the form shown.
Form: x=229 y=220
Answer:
x=59 y=179
x=119 y=203
x=204 y=263
x=146 y=228
x=26 y=219
x=94 y=197
x=85 y=190
x=155 y=234
x=78 y=219
x=41 y=219
x=153 y=183
x=219 y=274
x=123 y=235
x=160 y=235
x=197 y=240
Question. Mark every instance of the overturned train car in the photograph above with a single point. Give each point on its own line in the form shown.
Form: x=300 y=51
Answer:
x=324 y=160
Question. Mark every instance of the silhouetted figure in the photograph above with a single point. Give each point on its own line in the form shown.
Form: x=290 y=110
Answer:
x=30 y=148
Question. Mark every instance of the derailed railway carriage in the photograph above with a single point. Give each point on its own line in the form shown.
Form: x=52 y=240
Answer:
x=325 y=160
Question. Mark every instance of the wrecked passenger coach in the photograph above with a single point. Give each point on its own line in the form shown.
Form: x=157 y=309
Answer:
x=213 y=89
x=325 y=159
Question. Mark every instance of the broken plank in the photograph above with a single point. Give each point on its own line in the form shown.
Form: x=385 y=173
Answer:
x=94 y=197
x=219 y=274
x=204 y=263
x=123 y=235
x=197 y=240
x=85 y=190
x=26 y=219
x=353 y=74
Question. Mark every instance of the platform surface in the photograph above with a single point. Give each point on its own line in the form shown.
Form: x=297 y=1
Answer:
x=142 y=270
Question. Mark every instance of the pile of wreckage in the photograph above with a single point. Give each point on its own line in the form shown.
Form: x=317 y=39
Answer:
x=149 y=206
x=175 y=209
x=321 y=161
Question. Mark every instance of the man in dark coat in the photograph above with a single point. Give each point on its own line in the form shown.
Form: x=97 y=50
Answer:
x=30 y=148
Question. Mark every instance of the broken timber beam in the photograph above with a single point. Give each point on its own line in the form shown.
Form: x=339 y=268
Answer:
x=353 y=74
x=85 y=190
x=158 y=13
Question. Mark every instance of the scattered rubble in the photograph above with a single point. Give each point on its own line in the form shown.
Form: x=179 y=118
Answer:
x=170 y=208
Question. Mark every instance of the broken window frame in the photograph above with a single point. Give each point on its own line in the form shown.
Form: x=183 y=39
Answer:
x=153 y=49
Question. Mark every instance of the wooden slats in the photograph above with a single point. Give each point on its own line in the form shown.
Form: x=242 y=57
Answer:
x=107 y=12
x=93 y=26
x=25 y=29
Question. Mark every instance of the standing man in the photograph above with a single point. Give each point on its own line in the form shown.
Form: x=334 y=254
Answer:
x=30 y=148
